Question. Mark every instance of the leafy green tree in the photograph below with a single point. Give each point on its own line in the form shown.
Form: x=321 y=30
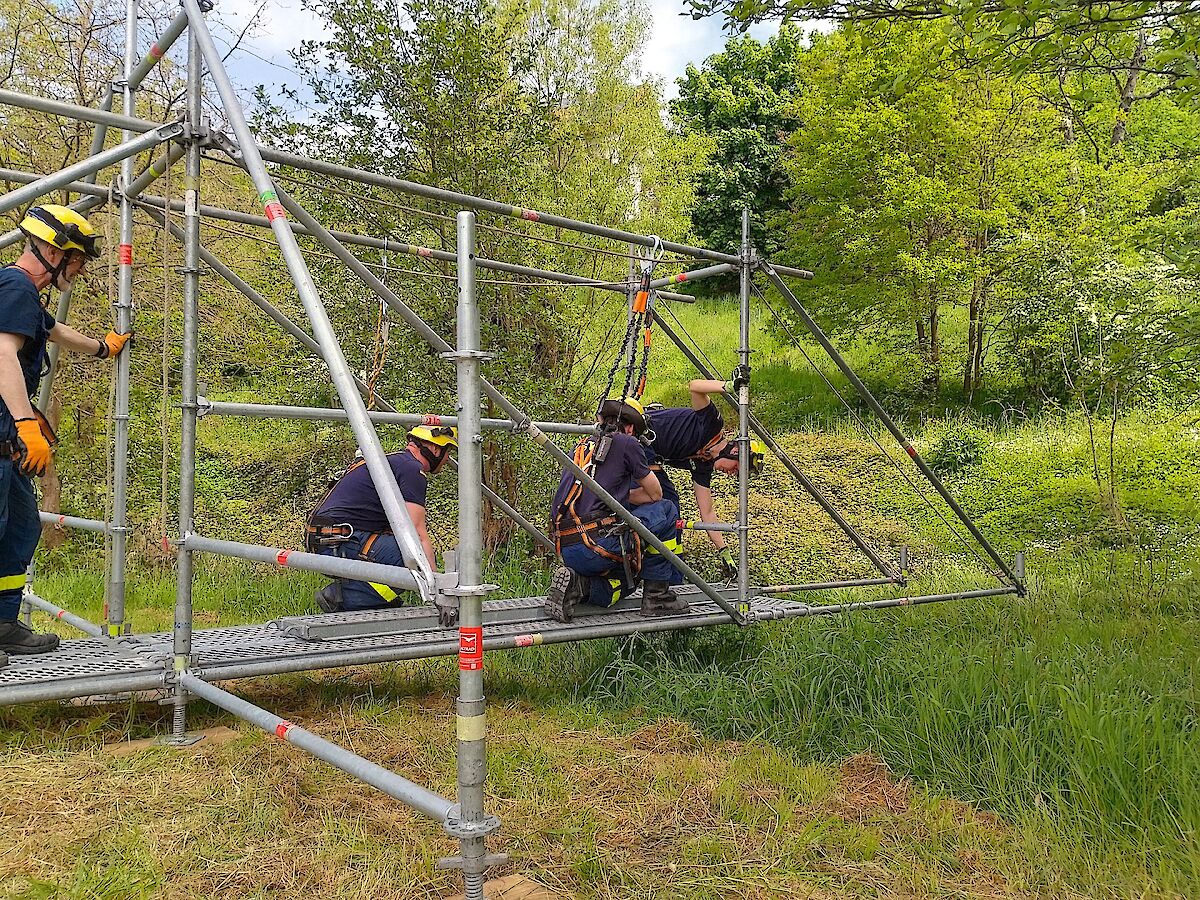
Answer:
x=745 y=98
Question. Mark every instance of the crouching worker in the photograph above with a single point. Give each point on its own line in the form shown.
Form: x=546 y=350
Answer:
x=350 y=521
x=603 y=558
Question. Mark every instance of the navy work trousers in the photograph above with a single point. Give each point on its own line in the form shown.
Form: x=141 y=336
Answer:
x=660 y=517
x=365 y=594
x=19 y=534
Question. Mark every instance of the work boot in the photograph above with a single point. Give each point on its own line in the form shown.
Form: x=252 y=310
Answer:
x=565 y=594
x=658 y=600
x=16 y=639
x=329 y=598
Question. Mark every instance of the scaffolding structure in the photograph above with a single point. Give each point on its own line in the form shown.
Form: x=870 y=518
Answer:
x=184 y=662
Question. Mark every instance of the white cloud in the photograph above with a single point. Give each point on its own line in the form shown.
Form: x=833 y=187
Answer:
x=677 y=40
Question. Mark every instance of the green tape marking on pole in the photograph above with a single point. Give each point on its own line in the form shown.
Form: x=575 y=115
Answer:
x=267 y=197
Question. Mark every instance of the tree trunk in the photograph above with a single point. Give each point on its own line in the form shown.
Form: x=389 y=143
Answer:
x=934 y=376
x=1129 y=89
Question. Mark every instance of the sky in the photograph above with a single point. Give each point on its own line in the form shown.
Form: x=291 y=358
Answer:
x=675 y=41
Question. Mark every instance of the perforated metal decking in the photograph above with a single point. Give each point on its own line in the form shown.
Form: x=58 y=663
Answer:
x=142 y=662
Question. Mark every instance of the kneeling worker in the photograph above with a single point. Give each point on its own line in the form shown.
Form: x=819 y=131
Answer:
x=602 y=557
x=693 y=438
x=350 y=521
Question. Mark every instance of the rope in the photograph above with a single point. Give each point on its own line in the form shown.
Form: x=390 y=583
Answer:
x=164 y=425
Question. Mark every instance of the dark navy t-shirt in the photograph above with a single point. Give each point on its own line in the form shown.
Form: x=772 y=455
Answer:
x=622 y=468
x=21 y=312
x=681 y=431
x=354 y=498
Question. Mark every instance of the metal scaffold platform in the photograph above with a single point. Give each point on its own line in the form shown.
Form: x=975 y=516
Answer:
x=94 y=666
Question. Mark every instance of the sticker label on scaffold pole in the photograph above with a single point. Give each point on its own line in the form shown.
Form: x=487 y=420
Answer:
x=470 y=649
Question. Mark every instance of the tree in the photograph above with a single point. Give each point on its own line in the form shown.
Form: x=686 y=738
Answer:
x=745 y=98
x=539 y=105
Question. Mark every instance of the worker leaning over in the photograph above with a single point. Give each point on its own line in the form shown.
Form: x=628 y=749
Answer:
x=58 y=244
x=694 y=439
x=350 y=521
x=602 y=557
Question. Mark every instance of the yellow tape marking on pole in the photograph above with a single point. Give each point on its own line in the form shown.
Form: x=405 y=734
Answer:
x=472 y=728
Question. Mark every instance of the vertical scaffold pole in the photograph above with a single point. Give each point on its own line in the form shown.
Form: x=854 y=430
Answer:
x=182 y=635
x=743 y=582
x=115 y=614
x=472 y=826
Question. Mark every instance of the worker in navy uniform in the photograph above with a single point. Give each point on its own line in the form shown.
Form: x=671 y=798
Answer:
x=693 y=438
x=350 y=521
x=603 y=559
x=58 y=244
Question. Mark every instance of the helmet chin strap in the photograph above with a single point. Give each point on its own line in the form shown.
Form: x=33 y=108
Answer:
x=433 y=459
x=55 y=272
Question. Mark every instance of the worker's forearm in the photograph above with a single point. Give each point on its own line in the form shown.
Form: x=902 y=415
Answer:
x=75 y=341
x=706 y=386
x=12 y=388
x=429 y=554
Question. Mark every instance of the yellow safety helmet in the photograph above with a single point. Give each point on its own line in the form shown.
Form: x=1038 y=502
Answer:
x=61 y=227
x=758 y=455
x=628 y=410
x=441 y=435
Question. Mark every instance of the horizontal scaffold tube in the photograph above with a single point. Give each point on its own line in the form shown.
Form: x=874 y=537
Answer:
x=50 y=518
x=320 y=414
x=53 y=182
x=77 y=622
x=86 y=114
x=412 y=795
x=387 y=244
x=333 y=566
x=64 y=688
x=772 y=589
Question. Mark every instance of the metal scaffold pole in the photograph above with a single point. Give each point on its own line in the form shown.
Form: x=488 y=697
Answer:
x=181 y=643
x=115 y=599
x=381 y=472
x=743 y=397
x=468 y=822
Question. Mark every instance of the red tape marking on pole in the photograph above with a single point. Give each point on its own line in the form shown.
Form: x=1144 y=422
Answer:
x=910 y=450
x=525 y=640
x=155 y=52
x=470 y=649
x=282 y=729
x=126 y=254
x=274 y=210
x=282 y=557
x=424 y=251
x=60 y=614
x=530 y=215
x=62 y=520
x=432 y=420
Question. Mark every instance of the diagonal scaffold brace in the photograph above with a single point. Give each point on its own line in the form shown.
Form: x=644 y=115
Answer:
x=376 y=461
x=1004 y=572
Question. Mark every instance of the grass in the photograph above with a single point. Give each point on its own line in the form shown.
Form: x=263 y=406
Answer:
x=722 y=762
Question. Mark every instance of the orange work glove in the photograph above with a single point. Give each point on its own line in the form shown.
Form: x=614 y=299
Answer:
x=34 y=453
x=113 y=344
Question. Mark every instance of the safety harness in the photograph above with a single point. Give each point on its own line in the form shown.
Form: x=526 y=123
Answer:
x=320 y=532
x=570 y=528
